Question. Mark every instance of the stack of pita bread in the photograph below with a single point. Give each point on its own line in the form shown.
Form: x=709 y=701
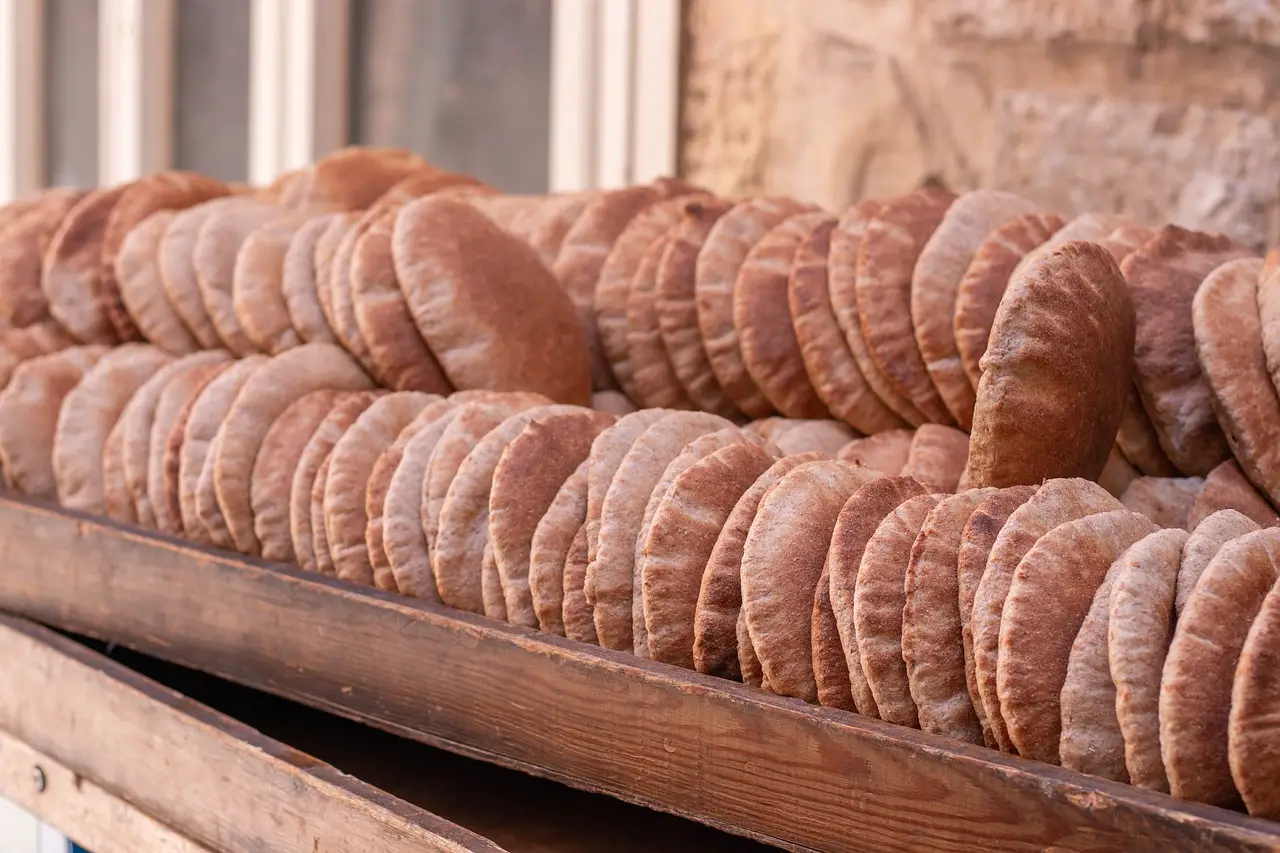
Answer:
x=945 y=461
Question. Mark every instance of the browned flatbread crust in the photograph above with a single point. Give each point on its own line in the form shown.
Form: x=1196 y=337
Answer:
x=72 y=277
x=937 y=457
x=885 y=451
x=25 y=236
x=1226 y=487
x=1165 y=500
x=1074 y=302
x=1255 y=701
x=298 y=282
x=653 y=380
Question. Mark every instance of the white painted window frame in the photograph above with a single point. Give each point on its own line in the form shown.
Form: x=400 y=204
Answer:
x=21 y=97
x=135 y=80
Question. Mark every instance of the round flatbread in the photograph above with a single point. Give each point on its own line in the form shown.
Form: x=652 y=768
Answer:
x=935 y=282
x=857 y=523
x=1059 y=358
x=1226 y=487
x=762 y=318
x=1049 y=597
x=25 y=236
x=1229 y=343
x=353 y=177
x=298 y=275
x=257 y=288
x=1163 y=276
x=652 y=379
x=830 y=365
x=1206 y=540
x=1255 y=702
x=984 y=282
x=1165 y=500
x=168 y=434
x=175 y=257
x=137 y=271
x=1054 y=503
x=1139 y=442
x=18 y=345
x=781 y=563
x=526 y=482
x=73 y=272
x=1139 y=628
x=884 y=451
x=677 y=306
x=878 y=601
x=271 y=482
x=715 y=621
x=894 y=239
x=494 y=316
x=214 y=259
x=29 y=409
x=578 y=622
x=88 y=413
x=824 y=436
x=937 y=457
x=932 y=637
x=715 y=276
x=830 y=669
x=546 y=229
x=549 y=549
x=1196 y=684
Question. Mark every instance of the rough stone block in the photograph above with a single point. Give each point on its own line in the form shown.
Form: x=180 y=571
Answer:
x=1085 y=21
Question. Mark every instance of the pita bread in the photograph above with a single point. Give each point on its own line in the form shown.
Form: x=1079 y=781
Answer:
x=578 y=622
x=1163 y=277
x=257 y=286
x=72 y=275
x=298 y=281
x=352 y=178
x=25 y=235
x=1206 y=540
x=781 y=563
x=1139 y=629
x=549 y=549
x=137 y=272
x=323 y=259
x=935 y=282
x=136 y=422
x=1251 y=725
x=715 y=277
x=983 y=285
x=473 y=422
x=611 y=571
x=1139 y=442
x=18 y=345
x=1049 y=597
x=398 y=352
x=1073 y=302
x=677 y=306
x=529 y=475
x=885 y=451
x=29 y=409
x=214 y=259
x=193 y=447
x=169 y=433
x=830 y=669
x=546 y=229
x=1165 y=500
x=88 y=413
x=306 y=474
x=403 y=539
x=115 y=491
x=652 y=378
x=932 y=641
x=175 y=258
x=319 y=531
x=979 y=537
x=937 y=457
x=1196 y=684
x=1091 y=227
x=686 y=522
x=623 y=265
x=341 y=302
x=495 y=607
x=1118 y=474
x=613 y=402
x=856 y=525
x=271 y=482
x=462 y=537
x=748 y=661
x=375 y=493
x=762 y=318
x=825 y=436
x=264 y=397
x=350 y=466
x=1229 y=343
x=493 y=315
x=1055 y=503
x=831 y=367
x=894 y=239
x=715 y=622
x=1227 y=488
x=878 y=601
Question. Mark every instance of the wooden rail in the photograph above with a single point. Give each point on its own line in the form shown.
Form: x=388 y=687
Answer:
x=754 y=764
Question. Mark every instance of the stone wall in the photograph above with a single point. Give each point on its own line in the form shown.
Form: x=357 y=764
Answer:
x=1167 y=110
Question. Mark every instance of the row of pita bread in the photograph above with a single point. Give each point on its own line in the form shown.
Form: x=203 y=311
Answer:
x=372 y=249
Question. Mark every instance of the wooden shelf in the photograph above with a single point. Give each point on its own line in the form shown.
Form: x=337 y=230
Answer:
x=757 y=765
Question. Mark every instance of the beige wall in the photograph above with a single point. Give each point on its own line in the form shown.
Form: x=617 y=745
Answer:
x=1164 y=109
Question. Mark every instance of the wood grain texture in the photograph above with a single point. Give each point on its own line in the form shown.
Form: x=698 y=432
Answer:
x=240 y=792
x=720 y=753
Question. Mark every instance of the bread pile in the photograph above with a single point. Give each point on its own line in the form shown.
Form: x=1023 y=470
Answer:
x=948 y=462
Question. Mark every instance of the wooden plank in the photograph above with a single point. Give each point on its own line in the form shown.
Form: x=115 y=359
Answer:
x=210 y=778
x=97 y=819
x=754 y=764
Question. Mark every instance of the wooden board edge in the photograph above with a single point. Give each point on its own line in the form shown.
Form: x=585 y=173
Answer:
x=1097 y=801
x=107 y=724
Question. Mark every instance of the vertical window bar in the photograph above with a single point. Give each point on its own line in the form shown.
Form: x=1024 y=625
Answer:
x=21 y=97
x=574 y=60
x=136 y=88
x=317 y=56
x=267 y=94
x=656 y=109
x=615 y=92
